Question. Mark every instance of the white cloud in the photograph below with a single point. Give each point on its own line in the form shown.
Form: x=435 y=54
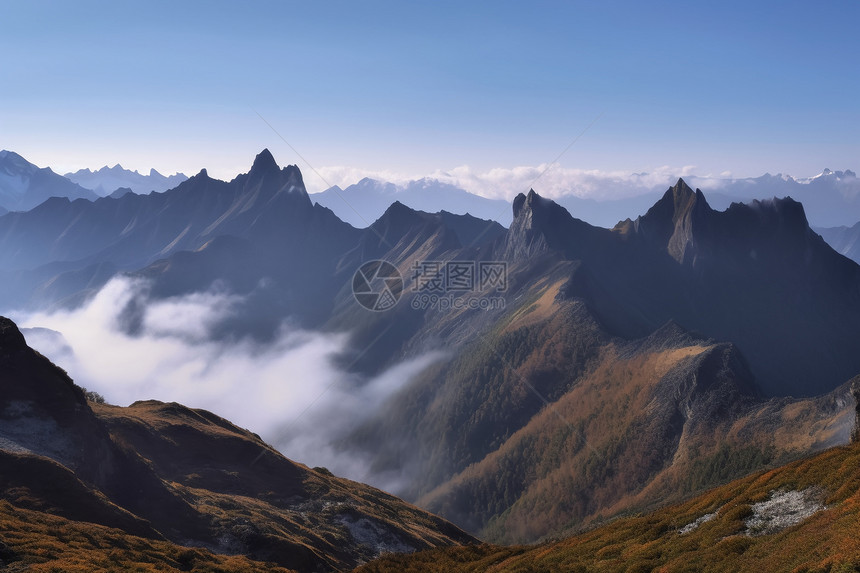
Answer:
x=289 y=391
x=505 y=183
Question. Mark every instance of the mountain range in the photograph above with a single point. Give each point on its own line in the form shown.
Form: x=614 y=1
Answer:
x=107 y=180
x=613 y=369
x=364 y=202
x=24 y=186
x=831 y=198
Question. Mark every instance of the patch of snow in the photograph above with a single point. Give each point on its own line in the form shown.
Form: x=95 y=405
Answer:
x=784 y=509
x=694 y=525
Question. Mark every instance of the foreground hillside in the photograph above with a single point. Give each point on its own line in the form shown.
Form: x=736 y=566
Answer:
x=38 y=541
x=145 y=479
x=800 y=517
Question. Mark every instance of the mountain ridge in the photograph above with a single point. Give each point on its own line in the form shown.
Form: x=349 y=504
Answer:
x=23 y=185
x=107 y=180
x=167 y=472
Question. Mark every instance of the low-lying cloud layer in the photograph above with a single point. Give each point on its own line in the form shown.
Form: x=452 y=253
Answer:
x=288 y=391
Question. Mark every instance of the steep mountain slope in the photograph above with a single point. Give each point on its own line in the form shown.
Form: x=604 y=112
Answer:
x=106 y=180
x=23 y=185
x=801 y=517
x=159 y=471
x=844 y=240
x=582 y=385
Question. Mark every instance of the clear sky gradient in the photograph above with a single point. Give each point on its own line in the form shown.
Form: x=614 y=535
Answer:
x=413 y=88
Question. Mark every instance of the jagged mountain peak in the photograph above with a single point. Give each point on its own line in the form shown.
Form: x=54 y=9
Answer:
x=539 y=223
x=530 y=201
x=675 y=220
x=267 y=175
x=264 y=162
x=533 y=203
x=679 y=201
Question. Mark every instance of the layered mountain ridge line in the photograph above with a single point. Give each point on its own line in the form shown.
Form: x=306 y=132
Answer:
x=586 y=310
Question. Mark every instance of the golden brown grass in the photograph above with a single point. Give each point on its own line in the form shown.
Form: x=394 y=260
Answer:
x=827 y=541
x=36 y=541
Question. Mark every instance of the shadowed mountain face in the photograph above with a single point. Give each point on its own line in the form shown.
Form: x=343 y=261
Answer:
x=755 y=274
x=163 y=471
x=24 y=186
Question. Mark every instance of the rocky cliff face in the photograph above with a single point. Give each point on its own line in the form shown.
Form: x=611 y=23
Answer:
x=676 y=221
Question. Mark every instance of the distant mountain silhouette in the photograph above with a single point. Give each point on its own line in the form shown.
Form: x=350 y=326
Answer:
x=23 y=185
x=830 y=198
x=107 y=180
x=364 y=202
x=844 y=240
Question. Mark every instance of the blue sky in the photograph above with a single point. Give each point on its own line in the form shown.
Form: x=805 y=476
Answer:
x=413 y=88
